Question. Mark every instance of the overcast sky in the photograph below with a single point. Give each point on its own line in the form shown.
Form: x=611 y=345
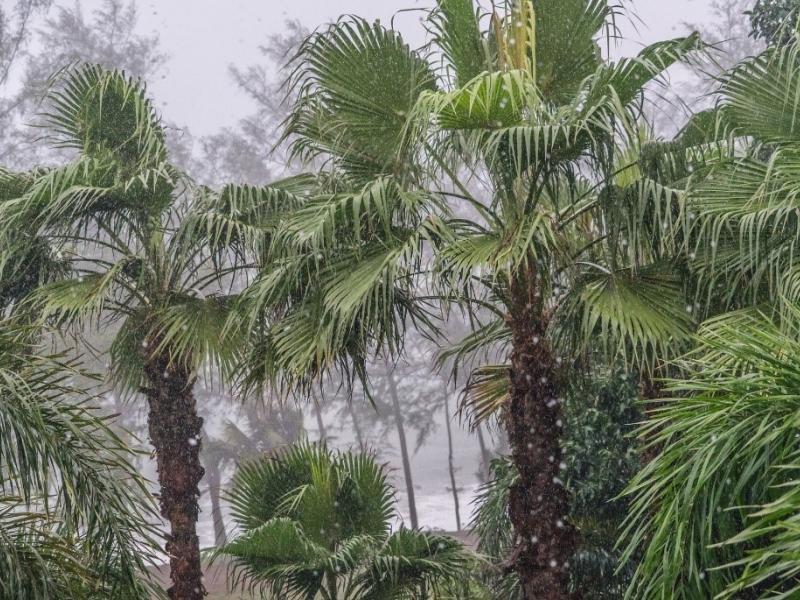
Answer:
x=203 y=37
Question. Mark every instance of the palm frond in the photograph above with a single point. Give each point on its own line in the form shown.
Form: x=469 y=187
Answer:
x=723 y=437
x=61 y=459
x=761 y=96
x=413 y=563
x=101 y=112
x=641 y=317
x=486 y=393
x=458 y=35
x=357 y=84
x=566 y=43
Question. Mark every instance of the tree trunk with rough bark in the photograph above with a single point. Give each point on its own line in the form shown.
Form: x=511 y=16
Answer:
x=175 y=430
x=538 y=502
x=401 y=434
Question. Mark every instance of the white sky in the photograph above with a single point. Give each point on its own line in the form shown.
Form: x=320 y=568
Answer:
x=203 y=37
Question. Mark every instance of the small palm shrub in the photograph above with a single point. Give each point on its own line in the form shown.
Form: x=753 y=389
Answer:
x=316 y=523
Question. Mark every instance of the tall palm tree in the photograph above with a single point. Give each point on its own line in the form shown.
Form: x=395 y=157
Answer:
x=146 y=256
x=316 y=523
x=74 y=513
x=524 y=108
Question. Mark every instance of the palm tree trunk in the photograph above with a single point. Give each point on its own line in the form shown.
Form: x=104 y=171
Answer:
x=214 y=485
x=401 y=434
x=450 y=465
x=538 y=501
x=333 y=589
x=175 y=428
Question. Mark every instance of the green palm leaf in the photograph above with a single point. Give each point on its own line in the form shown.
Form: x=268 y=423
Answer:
x=357 y=83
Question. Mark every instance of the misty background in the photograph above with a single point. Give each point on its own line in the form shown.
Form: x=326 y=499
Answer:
x=215 y=71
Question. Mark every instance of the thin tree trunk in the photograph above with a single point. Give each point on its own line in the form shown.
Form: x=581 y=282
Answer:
x=356 y=426
x=450 y=464
x=401 y=434
x=323 y=433
x=538 y=501
x=214 y=485
x=486 y=457
x=175 y=429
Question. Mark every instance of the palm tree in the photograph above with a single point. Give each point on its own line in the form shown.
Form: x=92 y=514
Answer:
x=74 y=513
x=524 y=108
x=727 y=446
x=316 y=522
x=145 y=255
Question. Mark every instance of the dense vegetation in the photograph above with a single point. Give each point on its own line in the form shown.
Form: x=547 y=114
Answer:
x=630 y=304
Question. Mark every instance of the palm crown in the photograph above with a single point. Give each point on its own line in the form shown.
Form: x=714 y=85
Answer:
x=406 y=144
x=490 y=179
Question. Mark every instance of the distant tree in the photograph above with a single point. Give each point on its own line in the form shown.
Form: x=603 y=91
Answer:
x=316 y=523
x=773 y=21
x=450 y=458
x=259 y=427
x=108 y=38
x=727 y=32
x=404 y=400
x=15 y=26
x=246 y=153
x=400 y=425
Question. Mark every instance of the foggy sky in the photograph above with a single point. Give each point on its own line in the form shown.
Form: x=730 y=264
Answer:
x=203 y=37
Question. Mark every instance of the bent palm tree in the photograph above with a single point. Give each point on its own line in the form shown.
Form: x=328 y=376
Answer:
x=142 y=258
x=526 y=109
x=317 y=522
